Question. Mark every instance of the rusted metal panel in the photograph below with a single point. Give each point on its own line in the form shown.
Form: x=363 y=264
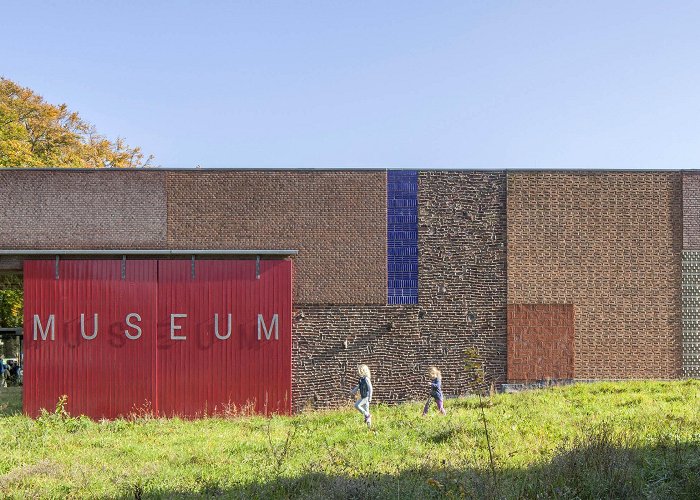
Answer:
x=176 y=363
x=104 y=376
x=200 y=373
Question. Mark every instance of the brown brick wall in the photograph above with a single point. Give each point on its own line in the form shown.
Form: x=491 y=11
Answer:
x=336 y=219
x=691 y=210
x=89 y=209
x=462 y=304
x=610 y=244
x=540 y=342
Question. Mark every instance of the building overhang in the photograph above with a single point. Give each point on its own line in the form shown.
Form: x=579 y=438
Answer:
x=163 y=251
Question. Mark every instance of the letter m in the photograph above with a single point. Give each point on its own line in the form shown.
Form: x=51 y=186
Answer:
x=262 y=327
x=44 y=332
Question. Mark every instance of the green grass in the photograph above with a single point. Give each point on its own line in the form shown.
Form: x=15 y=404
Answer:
x=10 y=401
x=633 y=440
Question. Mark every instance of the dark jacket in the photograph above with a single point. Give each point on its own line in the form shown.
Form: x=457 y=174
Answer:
x=436 y=388
x=365 y=387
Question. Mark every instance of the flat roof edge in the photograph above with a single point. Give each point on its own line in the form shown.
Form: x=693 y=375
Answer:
x=163 y=251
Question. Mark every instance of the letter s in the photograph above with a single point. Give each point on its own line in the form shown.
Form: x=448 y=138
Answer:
x=132 y=325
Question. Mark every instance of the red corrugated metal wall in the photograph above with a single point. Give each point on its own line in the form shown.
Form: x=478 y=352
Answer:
x=203 y=373
x=199 y=374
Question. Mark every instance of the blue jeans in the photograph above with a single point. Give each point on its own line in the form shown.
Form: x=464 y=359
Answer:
x=362 y=406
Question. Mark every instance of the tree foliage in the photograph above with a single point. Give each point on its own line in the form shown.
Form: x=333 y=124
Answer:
x=34 y=133
x=11 y=301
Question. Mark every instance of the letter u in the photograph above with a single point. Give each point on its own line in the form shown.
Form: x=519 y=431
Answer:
x=216 y=327
x=82 y=328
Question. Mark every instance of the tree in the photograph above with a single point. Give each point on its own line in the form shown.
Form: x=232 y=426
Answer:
x=34 y=133
x=11 y=301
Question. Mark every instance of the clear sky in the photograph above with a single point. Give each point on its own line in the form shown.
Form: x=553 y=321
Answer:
x=390 y=84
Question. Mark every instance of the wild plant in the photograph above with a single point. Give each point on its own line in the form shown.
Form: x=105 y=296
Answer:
x=477 y=375
x=60 y=418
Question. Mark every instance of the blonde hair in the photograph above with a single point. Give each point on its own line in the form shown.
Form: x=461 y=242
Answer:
x=363 y=371
x=434 y=372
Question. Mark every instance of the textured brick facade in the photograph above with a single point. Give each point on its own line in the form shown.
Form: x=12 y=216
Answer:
x=605 y=244
x=610 y=244
x=462 y=304
x=89 y=209
x=540 y=342
x=462 y=271
x=330 y=341
x=691 y=313
x=691 y=274
x=691 y=211
x=336 y=219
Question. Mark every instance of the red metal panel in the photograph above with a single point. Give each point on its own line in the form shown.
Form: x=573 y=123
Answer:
x=202 y=374
x=103 y=377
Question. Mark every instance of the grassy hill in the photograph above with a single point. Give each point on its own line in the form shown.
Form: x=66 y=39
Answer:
x=632 y=440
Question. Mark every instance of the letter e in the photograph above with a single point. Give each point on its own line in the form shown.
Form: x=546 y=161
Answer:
x=174 y=327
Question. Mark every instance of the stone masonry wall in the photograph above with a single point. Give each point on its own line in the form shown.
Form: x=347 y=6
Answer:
x=462 y=304
x=462 y=271
x=610 y=244
x=330 y=341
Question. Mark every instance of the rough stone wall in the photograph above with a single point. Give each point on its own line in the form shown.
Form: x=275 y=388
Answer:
x=336 y=219
x=610 y=244
x=540 y=342
x=330 y=341
x=89 y=209
x=462 y=304
x=462 y=271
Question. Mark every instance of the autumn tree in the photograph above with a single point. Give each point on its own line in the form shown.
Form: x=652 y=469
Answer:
x=34 y=133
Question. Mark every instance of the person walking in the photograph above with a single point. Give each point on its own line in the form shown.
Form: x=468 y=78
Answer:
x=435 y=391
x=3 y=372
x=364 y=386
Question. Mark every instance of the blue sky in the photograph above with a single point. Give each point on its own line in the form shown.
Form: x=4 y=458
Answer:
x=393 y=84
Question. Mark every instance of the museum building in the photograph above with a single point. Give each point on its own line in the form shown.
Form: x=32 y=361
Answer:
x=194 y=291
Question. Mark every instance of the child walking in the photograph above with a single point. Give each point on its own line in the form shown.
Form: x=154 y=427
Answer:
x=435 y=390
x=365 y=387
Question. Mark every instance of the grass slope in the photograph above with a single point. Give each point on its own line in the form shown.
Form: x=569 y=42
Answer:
x=633 y=440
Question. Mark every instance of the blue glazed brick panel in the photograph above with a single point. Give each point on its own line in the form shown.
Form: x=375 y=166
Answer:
x=402 y=236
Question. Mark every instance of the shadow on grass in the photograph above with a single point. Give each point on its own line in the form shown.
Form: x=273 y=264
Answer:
x=596 y=469
x=445 y=435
